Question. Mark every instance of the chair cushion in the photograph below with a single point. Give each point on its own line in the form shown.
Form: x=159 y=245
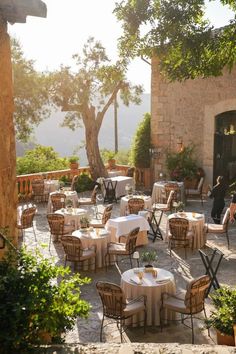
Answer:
x=85 y=201
x=214 y=228
x=175 y=304
x=88 y=253
x=117 y=248
x=133 y=307
x=96 y=223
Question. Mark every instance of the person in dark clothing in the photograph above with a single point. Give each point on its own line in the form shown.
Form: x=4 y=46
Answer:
x=218 y=195
x=232 y=208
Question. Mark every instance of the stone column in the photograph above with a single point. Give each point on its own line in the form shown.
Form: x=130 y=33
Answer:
x=8 y=190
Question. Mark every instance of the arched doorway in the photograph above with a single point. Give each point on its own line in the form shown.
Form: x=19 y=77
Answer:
x=225 y=146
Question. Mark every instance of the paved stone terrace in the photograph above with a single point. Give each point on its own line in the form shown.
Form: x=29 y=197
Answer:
x=88 y=330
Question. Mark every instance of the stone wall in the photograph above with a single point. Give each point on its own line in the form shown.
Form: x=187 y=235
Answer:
x=187 y=111
x=135 y=348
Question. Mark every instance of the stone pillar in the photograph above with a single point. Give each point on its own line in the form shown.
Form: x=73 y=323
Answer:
x=8 y=190
x=160 y=121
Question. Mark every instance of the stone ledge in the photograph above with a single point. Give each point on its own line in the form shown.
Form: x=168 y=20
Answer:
x=134 y=348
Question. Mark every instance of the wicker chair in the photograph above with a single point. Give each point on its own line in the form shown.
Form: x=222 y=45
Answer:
x=99 y=223
x=173 y=187
x=220 y=228
x=123 y=249
x=58 y=201
x=89 y=200
x=38 y=191
x=180 y=236
x=196 y=193
x=117 y=307
x=57 y=227
x=191 y=303
x=74 y=182
x=135 y=205
x=74 y=251
x=26 y=220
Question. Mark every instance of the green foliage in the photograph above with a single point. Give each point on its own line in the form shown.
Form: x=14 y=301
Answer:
x=107 y=154
x=123 y=157
x=30 y=93
x=66 y=181
x=37 y=296
x=178 y=33
x=182 y=164
x=40 y=159
x=224 y=316
x=149 y=256
x=73 y=159
x=84 y=183
x=139 y=155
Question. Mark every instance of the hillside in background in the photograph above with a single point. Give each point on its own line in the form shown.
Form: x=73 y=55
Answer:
x=65 y=141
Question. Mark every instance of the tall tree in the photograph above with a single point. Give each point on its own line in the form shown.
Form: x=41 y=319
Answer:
x=30 y=93
x=87 y=94
x=176 y=31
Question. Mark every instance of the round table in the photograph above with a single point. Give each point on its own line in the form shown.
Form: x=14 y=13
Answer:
x=196 y=225
x=72 y=217
x=100 y=238
x=158 y=191
x=152 y=288
x=124 y=203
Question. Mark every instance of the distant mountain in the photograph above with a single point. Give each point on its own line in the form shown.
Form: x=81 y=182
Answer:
x=64 y=140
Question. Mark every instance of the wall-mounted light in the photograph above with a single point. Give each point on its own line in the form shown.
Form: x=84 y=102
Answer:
x=155 y=152
x=180 y=144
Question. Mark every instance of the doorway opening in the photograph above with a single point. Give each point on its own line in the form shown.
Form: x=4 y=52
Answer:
x=225 y=146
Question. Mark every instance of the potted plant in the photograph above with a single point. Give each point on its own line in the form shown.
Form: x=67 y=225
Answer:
x=179 y=206
x=39 y=301
x=74 y=162
x=69 y=204
x=84 y=222
x=223 y=317
x=148 y=258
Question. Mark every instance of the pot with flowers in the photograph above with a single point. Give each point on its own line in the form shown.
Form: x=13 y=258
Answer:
x=84 y=222
x=74 y=162
x=69 y=205
x=148 y=258
x=223 y=317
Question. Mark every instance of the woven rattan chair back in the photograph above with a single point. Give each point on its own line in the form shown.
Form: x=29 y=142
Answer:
x=107 y=213
x=178 y=228
x=94 y=194
x=172 y=187
x=196 y=293
x=72 y=247
x=27 y=217
x=58 y=201
x=38 y=190
x=113 y=300
x=74 y=182
x=135 y=205
x=225 y=221
x=56 y=223
x=130 y=245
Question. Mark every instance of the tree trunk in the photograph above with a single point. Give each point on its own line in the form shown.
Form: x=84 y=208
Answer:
x=8 y=190
x=96 y=164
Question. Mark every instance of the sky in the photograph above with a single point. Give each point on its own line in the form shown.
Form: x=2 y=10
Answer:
x=52 y=41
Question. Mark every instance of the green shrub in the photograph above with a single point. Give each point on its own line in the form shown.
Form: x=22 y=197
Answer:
x=40 y=159
x=107 y=154
x=139 y=155
x=181 y=165
x=37 y=297
x=84 y=183
x=123 y=157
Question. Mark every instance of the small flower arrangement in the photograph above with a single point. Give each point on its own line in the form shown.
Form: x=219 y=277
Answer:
x=179 y=206
x=69 y=203
x=84 y=222
x=148 y=257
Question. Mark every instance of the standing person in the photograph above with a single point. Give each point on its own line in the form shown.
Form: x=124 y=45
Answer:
x=218 y=195
x=232 y=207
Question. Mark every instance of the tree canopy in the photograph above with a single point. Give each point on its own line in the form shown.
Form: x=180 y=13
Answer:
x=87 y=92
x=30 y=93
x=177 y=32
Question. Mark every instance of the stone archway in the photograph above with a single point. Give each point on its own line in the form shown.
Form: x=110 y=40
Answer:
x=210 y=112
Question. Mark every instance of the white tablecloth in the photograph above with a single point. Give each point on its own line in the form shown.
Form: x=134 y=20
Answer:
x=153 y=290
x=124 y=224
x=158 y=191
x=196 y=224
x=72 y=195
x=115 y=173
x=100 y=240
x=51 y=185
x=124 y=203
x=122 y=181
x=73 y=217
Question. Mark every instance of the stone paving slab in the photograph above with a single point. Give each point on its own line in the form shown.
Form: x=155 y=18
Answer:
x=86 y=331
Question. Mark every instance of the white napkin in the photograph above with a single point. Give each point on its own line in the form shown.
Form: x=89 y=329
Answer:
x=136 y=281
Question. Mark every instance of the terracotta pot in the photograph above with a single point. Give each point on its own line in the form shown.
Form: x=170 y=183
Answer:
x=74 y=165
x=224 y=339
x=45 y=337
x=111 y=163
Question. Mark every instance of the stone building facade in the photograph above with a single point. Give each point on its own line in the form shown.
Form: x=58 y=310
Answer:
x=194 y=111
